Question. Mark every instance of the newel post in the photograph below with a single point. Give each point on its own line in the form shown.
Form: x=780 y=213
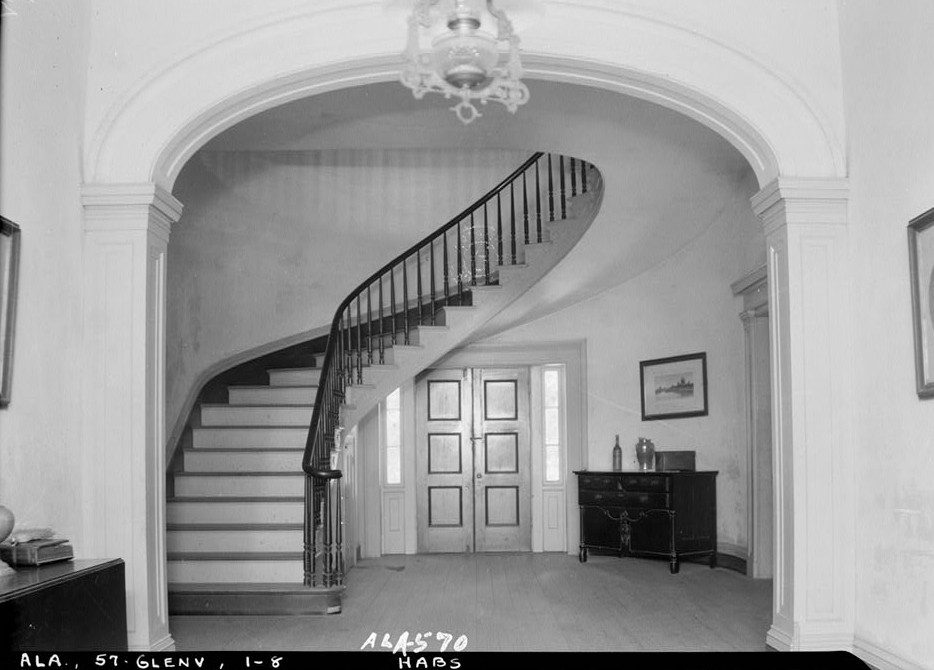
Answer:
x=805 y=223
x=126 y=234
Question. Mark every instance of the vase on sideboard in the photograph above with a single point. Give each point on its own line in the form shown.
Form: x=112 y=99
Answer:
x=645 y=454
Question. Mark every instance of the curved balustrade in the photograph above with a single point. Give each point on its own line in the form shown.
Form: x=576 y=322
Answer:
x=410 y=291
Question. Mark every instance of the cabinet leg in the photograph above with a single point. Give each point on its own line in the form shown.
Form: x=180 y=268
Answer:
x=674 y=565
x=582 y=555
x=713 y=559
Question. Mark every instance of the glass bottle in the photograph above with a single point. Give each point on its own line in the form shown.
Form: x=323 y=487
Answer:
x=617 y=456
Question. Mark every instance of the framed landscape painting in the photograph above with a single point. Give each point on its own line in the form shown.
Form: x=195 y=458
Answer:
x=675 y=387
x=921 y=260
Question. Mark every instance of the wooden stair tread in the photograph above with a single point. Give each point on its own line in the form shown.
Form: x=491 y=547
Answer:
x=243 y=499
x=250 y=587
x=234 y=526
x=234 y=556
x=243 y=450
x=309 y=405
x=241 y=473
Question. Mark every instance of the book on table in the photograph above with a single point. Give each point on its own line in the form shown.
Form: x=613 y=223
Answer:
x=36 y=552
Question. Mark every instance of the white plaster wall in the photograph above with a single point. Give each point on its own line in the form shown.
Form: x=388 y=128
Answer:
x=888 y=67
x=682 y=305
x=271 y=242
x=43 y=61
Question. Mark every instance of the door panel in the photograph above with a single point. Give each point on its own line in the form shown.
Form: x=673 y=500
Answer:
x=502 y=494
x=473 y=461
x=444 y=501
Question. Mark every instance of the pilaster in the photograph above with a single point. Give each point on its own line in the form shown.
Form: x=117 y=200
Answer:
x=126 y=233
x=813 y=587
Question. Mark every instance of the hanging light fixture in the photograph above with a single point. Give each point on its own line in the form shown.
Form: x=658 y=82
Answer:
x=465 y=61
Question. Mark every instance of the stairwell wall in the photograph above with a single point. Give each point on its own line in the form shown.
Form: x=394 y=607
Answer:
x=270 y=242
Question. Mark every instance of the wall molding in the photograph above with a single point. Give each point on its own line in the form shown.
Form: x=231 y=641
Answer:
x=880 y=658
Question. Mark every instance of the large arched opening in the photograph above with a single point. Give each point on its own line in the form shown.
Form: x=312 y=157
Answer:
x=139 y=150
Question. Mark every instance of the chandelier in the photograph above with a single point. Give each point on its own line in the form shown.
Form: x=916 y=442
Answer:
x=464 y=61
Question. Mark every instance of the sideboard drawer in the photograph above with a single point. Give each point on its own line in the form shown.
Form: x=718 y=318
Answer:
x=627 y=482
x=623 y=498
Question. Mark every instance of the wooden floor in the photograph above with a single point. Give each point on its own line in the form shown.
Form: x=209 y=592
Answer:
x=506 y=602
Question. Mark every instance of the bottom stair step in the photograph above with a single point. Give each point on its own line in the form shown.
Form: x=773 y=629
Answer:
x=253 y=598
x=229 y=567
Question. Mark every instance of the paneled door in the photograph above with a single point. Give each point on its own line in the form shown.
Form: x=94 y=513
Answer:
x=473 y=460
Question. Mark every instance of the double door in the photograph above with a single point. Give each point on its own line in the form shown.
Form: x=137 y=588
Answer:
x=473 y=460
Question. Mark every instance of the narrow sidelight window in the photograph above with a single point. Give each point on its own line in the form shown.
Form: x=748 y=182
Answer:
x=553 y=410
x=392 y=437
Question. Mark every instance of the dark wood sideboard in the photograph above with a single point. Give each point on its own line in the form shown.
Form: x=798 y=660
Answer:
x=77 y=605
x=666 y=514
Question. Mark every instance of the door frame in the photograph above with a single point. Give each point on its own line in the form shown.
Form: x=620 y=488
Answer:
x=573 y=355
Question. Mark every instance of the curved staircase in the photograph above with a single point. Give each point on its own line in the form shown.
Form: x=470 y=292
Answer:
x=255 y=523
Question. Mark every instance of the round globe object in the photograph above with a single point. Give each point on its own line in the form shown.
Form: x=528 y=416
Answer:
x=465 y=60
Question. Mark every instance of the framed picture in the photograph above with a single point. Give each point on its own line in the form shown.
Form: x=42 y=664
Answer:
x=675 y=387
x=921 y=260
x=9 y=264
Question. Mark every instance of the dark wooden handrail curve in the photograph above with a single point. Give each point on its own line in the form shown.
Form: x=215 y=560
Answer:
x=358 y=334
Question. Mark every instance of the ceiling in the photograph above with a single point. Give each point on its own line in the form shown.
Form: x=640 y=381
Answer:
x=667 y=178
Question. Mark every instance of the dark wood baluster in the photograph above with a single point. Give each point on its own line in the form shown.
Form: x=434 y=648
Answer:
x=525 y=209
x=359 y=343
x=486 y=247
x=379 y=328
x=431 y=287
x=499 y=230
x=369 y=326
x=512 y=222
x=348 y=348
x=405 y=301
x=308 y=532
x=473 y=253
x=418 y=286
x=392 y=304
x=340 y=351
x=460 y=267
x=551 y=192
x=573 y=177
x=538 y=204
x=447 y=268
x=564 y=201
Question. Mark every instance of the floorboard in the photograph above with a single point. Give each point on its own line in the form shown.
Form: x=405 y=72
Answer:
x=513 y=602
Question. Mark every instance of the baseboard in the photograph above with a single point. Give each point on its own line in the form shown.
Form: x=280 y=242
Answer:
x=880 y=659
x=731 y=562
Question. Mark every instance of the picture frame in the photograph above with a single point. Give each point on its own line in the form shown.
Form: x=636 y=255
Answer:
x=674 y=387
x=9 y=273
x=921 y=264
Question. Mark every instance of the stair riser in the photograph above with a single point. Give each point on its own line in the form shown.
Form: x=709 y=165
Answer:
x=242 y=485
x=246 y=461
x=296 y=377
x=250 y=438
x=193 y=572
x=234 y=512
x=272 y=395
x=229 y=415
x=234 y=540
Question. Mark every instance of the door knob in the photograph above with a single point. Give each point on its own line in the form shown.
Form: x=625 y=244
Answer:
x=479 y=476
